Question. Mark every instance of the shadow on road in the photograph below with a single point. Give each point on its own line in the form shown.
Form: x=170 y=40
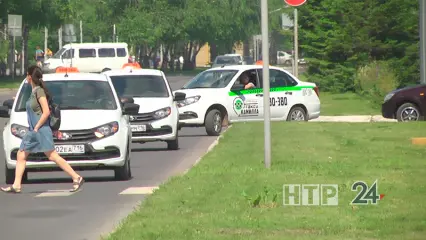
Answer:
x=150 y=150
x=68 y=180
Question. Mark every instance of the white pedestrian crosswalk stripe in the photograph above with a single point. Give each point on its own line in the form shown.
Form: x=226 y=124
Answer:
x=138 y=190
x=56 y=193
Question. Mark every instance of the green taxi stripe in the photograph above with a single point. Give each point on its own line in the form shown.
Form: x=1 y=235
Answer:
x=260 y=90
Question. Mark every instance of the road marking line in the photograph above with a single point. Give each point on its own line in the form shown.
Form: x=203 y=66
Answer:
x=55 y=193
x=138 y=190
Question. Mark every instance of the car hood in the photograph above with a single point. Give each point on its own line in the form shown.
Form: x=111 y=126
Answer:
x=76 y=119
x=408 y=88
x=200 y=91
x=151 y=104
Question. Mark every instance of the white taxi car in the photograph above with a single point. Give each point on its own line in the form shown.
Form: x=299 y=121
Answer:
x=94 y=133
x=158 y=116
x=216 y=97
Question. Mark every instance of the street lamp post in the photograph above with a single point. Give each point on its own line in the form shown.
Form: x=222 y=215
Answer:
x=265 y=59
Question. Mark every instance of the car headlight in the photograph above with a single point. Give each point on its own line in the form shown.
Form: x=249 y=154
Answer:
x=18 y=130
x=388 y=97
x=106 y=130
x=162 y=113
x=188 y=101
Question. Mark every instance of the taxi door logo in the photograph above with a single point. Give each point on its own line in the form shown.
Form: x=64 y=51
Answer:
x=238 y=105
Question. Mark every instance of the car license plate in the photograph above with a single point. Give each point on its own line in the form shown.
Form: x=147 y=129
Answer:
x=138 y=128
x=70 y=149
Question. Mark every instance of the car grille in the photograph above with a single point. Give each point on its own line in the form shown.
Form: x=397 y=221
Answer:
x=142 y=117
x=77 y=135
x=110 y=152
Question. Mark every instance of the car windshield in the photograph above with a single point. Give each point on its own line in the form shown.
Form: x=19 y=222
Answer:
x=149 y=86
x=70 y=95
x=58 y=53
x=211 y=79
x=226 y=60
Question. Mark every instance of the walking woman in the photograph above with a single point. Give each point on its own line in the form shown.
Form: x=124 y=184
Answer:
x=39 y=138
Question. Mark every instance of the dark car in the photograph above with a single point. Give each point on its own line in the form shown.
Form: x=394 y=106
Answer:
x=405 y=104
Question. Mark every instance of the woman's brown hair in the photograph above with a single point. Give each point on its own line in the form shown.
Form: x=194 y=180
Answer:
x=37 y=76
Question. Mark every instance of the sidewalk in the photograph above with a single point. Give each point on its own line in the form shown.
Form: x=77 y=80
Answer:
x=354 y=119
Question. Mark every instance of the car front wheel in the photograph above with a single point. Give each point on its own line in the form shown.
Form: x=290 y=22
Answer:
x=213 y=122
x=408 y=112
x=124 y=173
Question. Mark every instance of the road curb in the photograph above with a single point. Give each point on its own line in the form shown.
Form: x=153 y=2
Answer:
x=211 y=147
x=353 y=119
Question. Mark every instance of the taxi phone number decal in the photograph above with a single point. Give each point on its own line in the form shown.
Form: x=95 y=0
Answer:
x=278 y=101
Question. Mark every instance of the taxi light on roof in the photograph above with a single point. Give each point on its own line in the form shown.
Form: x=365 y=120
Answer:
x=131 y=66
x=67 y=70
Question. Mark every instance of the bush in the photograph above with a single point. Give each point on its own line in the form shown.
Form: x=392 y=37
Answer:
x=375 y=80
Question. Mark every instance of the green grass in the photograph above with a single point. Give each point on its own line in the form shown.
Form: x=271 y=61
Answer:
x=346 y=104
x=209 y=203
x=8 y=82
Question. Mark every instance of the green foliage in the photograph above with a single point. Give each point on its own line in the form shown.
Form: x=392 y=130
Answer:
x=4 y=48
x=375 y=80
x=339 y=36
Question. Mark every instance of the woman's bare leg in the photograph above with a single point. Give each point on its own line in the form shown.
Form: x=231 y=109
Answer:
x=21 y=161
x=55 y=157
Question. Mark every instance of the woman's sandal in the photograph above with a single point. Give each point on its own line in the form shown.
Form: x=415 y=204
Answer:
x=77 y=184
x=10 y=189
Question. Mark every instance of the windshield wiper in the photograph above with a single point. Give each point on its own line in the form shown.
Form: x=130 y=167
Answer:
x=71 y=107
x=198 y=87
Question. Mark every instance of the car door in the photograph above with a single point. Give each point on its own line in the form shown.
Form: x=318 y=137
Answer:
x=68 y=58
x=282 y=93
x=246 y=105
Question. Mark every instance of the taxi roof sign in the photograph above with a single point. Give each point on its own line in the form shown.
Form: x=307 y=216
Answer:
x=67 y=70
x=131 y=66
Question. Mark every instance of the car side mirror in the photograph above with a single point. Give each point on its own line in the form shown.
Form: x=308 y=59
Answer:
x=4 y=112
x=130 y=109
x=127 y=100
x=237 y=87
x=8 y=103
x=179 y=96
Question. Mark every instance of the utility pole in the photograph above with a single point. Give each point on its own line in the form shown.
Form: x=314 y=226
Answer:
x=46 y=35
x=296 y=45
x=265 y=74
x=113 y=34
x=60 y=37
x=422 y=24
x=81 y=31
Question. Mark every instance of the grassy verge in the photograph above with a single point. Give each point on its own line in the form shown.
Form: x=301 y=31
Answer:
x=8 y=82
x=215 y=199
x=346 y=104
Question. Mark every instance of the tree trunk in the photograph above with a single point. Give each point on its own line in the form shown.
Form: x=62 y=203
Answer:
x=213 y=52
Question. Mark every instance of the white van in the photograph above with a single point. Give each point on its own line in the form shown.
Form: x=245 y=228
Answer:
x=89 y=57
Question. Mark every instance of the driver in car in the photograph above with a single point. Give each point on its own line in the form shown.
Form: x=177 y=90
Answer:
x=245 y=80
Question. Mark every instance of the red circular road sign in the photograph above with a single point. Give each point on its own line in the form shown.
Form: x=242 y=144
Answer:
x=295 y=3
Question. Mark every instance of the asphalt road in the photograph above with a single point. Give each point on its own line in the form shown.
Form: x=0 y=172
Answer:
x=46 y=210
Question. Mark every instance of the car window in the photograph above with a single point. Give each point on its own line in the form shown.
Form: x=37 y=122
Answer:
x=253 y=78
x=87 y=53
x=226 y=60
x=58 y=54
x=72 y=95
x=211 y=79
x=277 y=78
x=68 y=54
x=140 y=86
x=121 y=52
x=106 y=52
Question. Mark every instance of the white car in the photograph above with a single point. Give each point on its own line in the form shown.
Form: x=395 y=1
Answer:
x=158 y=116
x=216 y=97
x=89 y=57
x=94 y=133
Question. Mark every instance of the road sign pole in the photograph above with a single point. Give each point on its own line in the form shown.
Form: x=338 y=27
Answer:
x=422 y=24
x=296 y=45
x=265 y=59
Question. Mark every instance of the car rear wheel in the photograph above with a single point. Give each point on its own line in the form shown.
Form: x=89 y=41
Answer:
x=297 y=114
x=124 y=173
x=213 y=122
x=408 y=112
